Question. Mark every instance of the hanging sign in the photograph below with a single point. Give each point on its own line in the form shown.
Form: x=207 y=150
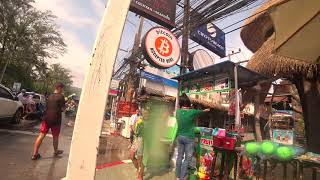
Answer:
x=283 y=136
x=16 y=87
x=221 y=84
x=210 y=37
x=162 y=12
x=161 y=48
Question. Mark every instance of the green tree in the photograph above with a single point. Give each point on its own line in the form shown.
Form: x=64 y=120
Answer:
x=50 y=76
x=27 y=38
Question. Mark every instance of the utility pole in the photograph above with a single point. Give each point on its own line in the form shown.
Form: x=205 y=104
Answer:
x=134 y=65
x=85 y=139
x=133 y=62
x=185 y=44
x=237 y=116
x=185 y=38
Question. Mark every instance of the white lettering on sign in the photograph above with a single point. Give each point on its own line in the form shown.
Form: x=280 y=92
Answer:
x=210 y=39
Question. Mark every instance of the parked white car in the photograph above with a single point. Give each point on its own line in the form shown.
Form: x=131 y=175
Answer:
x=10 y=106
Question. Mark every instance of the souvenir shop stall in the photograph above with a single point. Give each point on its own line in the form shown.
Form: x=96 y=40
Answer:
x=281 y=151
x=219 y=148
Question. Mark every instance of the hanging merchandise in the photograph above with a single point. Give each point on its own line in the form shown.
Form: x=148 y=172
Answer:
x=205 y=152
x=268 y=148
x=284 y=153
x=252 y=148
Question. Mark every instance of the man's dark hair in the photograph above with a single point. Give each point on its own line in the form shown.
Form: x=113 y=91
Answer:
x=59 y=85
x=184 y=101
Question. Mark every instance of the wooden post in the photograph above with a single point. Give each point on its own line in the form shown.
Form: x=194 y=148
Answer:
x=85 y=139
x=185 y=38
x=185 y=45
x=257 y=113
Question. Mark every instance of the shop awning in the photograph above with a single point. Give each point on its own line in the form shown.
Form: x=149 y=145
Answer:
x=246 y=77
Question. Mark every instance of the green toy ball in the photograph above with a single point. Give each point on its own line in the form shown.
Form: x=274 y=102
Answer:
x=197 y=130
x=267 y=148
x=284 y=153
x=252 y=148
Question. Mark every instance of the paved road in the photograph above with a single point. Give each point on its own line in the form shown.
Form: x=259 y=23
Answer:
x=16 y=144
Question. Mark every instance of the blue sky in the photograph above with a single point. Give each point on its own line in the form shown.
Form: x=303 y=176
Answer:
x=79 y=21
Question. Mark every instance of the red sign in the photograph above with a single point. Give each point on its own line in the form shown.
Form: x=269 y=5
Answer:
x=126 y=109
x=207 y=142
x=113 y=92
x=161 y=47
x=162 y=12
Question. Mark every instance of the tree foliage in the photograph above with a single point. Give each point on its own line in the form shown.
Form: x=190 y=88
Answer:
x=27 y=38
x=56 y=73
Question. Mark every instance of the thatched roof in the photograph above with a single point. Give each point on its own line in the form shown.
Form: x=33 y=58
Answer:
x=284 y=88
x=269 y=64
x=258 y=27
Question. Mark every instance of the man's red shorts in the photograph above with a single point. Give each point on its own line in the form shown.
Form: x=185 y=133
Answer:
x=55 y=130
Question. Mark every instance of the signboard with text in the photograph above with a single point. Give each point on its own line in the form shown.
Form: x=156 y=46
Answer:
x=222 y=84
x=210 y=37
x=283 y=136
x=203 y=85
x=126 y=109
x=16 y=87
x=161 y=48
x=162 y=12
x=159 y=79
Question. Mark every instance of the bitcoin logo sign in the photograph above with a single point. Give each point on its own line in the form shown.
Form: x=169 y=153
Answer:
x=161 y=48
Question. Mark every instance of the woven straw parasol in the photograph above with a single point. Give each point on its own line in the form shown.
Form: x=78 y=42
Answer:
x=259 y=27
x=269 y=64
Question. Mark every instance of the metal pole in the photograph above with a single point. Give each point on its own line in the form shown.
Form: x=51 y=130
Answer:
x=237 y=120
x=235 y=70
x=85 y=139
x=185 y=45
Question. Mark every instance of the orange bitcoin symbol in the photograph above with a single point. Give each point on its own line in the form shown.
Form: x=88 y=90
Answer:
x=163 y=46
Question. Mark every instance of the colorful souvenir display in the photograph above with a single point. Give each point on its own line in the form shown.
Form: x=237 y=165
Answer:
x=268 y=148
x=252 y=148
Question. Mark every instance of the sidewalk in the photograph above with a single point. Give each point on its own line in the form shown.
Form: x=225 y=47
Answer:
x=126 y=171
x=113 y=163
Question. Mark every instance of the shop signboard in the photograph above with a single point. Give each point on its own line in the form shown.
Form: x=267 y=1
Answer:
x=113 y=92
x=222 y=84
x=161 y=48
x=16 y=87
x=162 y=12
x=283 y=136
x=159 y=79
x=114 y=84
x=199 y=87
x=210 y=37
x=169 y=73
x=126 y=109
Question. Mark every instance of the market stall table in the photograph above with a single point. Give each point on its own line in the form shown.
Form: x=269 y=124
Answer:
x=308 y=160
x=225 y=77
x=227 y=156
